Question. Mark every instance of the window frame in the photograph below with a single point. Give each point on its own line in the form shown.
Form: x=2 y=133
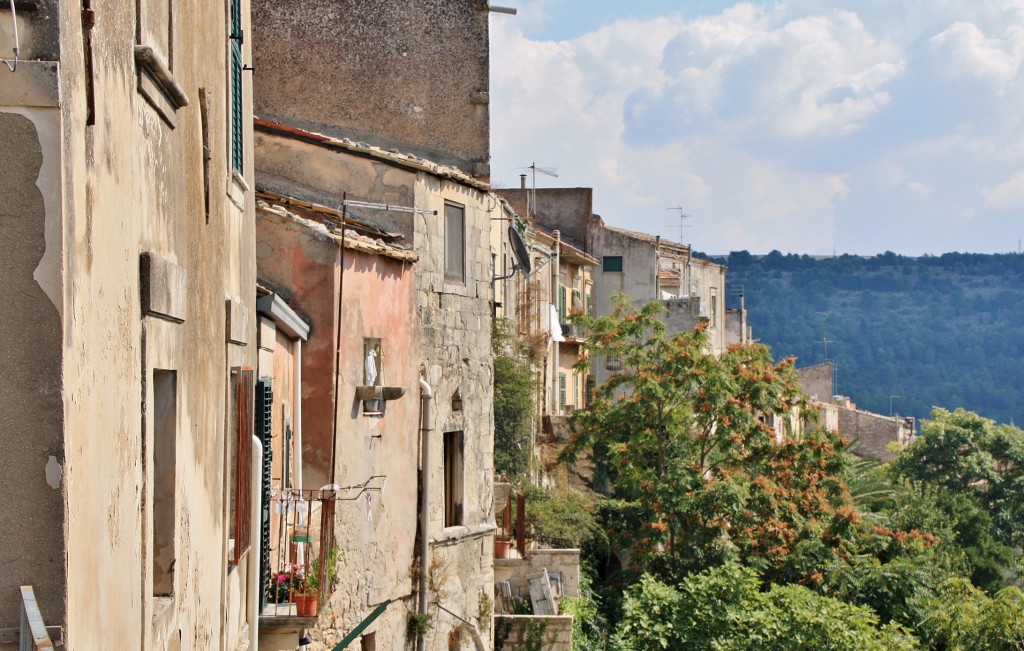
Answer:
x=452 y=275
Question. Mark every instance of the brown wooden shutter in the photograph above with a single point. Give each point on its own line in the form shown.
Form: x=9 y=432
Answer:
x=243 y=469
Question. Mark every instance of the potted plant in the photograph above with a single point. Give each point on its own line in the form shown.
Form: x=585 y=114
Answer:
x=284 y=587
x=306 y=599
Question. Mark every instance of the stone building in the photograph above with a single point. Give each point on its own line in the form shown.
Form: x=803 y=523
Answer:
x=365 y=110
x=126 y=218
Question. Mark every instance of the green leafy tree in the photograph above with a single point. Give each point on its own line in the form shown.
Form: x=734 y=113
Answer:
x=696 y=476
x=973 y=470
x=726 y=609
x=513 y=403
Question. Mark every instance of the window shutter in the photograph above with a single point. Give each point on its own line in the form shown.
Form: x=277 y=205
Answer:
x=237 y=158
x=264 y=430
x=243 y=467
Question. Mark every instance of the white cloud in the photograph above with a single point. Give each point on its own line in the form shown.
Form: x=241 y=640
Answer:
x=778 y=124
x=1008 y=194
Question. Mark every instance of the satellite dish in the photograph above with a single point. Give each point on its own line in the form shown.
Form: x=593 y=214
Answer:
x=519 y=250
x=520 y=253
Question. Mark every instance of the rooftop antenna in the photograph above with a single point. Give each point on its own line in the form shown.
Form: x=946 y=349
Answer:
x=531 y=206
x=682 y=217
x=826 y=341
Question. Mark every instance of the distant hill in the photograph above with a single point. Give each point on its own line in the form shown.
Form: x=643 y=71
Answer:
x=945 y=331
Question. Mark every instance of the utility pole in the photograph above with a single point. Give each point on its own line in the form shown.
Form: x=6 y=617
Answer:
x=890 y=403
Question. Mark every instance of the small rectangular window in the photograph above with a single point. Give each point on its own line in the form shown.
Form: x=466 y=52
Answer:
x=453 y=479
x=612 y=263
x=454 y=243
x=165 y=489
x=613 y=363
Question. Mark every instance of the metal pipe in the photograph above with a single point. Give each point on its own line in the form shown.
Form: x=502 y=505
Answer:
x=252 y=611
x=426 y=396
x=297 y=414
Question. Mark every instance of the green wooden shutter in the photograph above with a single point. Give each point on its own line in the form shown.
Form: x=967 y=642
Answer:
x=237 y=158
x=264 y=431
x=561 y=391
x=561 y=302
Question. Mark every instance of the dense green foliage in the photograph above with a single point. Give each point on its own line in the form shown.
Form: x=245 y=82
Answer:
x=946 y=331
x=513 y=404
x=718 y=535
x=725 y=609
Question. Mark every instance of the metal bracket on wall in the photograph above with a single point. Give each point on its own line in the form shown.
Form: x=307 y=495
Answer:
x=14 y=19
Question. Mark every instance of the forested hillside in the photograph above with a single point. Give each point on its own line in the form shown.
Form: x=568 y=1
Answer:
x=936 y=331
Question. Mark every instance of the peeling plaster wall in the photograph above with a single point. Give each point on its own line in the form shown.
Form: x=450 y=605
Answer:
x=31 y=424
x=375 y=535
x=411 y=74
x=303 y=266
x=449 y=325
x=312 y=173
x=134 y=183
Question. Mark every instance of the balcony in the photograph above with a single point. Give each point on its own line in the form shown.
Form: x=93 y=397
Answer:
x=300 y=556
x=573 y=333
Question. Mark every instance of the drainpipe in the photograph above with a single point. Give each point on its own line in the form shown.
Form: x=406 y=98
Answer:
x=297 y=414
x=556 y=281
x=252 y=610
x=426 y=395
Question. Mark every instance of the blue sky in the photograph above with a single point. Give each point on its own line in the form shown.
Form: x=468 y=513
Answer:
x=808 y=126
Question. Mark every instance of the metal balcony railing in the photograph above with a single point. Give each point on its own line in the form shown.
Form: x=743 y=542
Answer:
x=299 y=551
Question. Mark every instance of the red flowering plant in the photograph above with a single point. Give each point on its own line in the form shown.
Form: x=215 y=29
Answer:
x=288 y=583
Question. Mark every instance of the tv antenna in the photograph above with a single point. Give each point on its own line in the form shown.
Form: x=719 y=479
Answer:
x=682 y=217
x=531 y=205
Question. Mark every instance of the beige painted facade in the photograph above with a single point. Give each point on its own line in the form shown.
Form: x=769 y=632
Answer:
x=132 y=270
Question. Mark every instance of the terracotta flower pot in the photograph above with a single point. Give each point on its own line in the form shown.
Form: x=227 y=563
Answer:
x=501 y=548
x=306 y=605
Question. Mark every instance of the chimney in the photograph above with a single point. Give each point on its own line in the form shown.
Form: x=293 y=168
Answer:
x=522 y=181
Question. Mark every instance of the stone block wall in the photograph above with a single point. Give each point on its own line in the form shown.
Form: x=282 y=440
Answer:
x=533 y=631
x=515 y=570
x=873 y=431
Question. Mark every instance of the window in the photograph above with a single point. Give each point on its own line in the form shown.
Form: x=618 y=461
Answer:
x=453 y=484
x=235 y=38
x=454 y=243
x=165 y=448
x=241 y=468
x=613 y=363
x=611 y=263
x=561 y=392
x=591 y=385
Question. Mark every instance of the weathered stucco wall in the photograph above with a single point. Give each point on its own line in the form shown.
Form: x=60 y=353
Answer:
x=133 y=182
x=31 y=426
x=569 y=210
x=411 y=74
x=303 y=266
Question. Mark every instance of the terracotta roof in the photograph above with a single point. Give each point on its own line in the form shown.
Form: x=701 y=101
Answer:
x=358 y=236
x=408 y=161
